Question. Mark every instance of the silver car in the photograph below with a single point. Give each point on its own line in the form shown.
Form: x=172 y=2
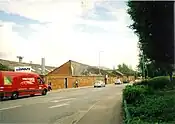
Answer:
x=99 y=84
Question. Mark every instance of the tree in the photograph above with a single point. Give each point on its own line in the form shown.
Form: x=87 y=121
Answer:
x=153 y=23
x=125 y=69
x=4 y=68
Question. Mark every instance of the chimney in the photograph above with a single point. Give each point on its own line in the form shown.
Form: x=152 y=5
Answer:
x=30 y=62
x=20 y=58
x=42 y=66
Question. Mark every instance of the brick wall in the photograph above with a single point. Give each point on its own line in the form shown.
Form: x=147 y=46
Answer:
x=84 y=80
x=112 y=80
x=58 y=81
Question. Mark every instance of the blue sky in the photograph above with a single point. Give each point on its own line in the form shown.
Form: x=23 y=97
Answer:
x=21 y=20
x=62 y=30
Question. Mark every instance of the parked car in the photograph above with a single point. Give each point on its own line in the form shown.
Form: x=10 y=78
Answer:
x=99 y=84
x=138 y=80
x=118 y=81
x=15 y=84
x=126 y=81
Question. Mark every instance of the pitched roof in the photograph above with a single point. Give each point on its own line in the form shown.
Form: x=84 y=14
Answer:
x=79 y=69
x=35 y=67
x=115 y=72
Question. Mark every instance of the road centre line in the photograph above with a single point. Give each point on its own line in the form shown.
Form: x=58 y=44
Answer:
x=60 y=105
x=55 y=101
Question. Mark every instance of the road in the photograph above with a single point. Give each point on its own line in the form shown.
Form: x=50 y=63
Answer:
x=81 y=106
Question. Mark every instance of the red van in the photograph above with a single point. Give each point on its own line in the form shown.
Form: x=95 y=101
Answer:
x=14 y=84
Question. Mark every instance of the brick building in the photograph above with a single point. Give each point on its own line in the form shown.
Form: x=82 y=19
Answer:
x=66 y=75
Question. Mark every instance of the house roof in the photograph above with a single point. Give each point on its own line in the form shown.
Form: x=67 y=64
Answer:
x=115 y=72
x=79 y=69
x=35 y=67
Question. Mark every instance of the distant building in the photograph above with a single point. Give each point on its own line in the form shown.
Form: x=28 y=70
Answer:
x=66 y=75
x=36 y=68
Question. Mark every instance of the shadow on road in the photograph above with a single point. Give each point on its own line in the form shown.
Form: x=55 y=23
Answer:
x=22 y=97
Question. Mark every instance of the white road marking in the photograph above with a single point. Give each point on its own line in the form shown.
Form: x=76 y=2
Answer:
x=64 y=104
x=1 y=109
x=55 y=101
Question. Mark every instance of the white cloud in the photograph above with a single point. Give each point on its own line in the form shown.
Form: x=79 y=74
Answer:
x=44 y=11
x=11 y=42
x=58 y=42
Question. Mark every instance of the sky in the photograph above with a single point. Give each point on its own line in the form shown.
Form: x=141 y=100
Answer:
x=93 y=32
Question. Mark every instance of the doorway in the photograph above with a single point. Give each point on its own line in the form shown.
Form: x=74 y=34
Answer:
x=65 y=83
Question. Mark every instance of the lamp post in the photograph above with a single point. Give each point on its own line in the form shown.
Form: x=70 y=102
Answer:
x=99 y=61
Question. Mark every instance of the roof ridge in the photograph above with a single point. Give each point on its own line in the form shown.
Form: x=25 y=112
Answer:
x=81 y=63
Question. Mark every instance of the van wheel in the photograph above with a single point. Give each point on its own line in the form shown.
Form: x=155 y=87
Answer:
x=44 y=92
x=1 y=98
x=14 y=95
x=32 y=95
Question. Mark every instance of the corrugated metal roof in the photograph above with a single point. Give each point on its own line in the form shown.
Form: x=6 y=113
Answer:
x=80 y=69
x=36 y=68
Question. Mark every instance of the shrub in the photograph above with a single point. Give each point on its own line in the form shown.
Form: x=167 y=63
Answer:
x=143 y=82
x=157 y=82
x=146 y=106
x=134 y=93
x=5 y=68
x=155 y=108
x=137 y=120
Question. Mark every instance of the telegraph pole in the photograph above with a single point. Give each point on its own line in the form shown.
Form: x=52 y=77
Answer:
x=99 y=62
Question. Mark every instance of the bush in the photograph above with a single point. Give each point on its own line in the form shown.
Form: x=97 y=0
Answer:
x=154 y=108
x=5 y=68
x=134 y=93
x=137 y=120
x=150 y=101
x=157 y=82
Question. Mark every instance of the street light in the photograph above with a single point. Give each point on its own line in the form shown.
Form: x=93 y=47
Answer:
x=99 y=60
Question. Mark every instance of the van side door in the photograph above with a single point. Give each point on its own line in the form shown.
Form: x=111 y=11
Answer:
x=40 y=83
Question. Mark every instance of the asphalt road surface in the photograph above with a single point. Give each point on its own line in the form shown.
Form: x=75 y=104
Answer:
x=81 y=106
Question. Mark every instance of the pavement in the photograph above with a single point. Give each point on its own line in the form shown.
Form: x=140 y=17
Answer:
x=81 y=106
x=70 y=89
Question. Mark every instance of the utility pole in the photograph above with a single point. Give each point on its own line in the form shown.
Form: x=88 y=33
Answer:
x=99 y=62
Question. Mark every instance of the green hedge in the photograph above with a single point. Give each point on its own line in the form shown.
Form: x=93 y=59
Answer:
x=137 y=120
x=157 y=82
x=155 y=108
x=133 y=94
x=151 y=102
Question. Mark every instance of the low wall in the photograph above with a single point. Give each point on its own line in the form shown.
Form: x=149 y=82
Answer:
x=58 y=82
x=129 y=78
